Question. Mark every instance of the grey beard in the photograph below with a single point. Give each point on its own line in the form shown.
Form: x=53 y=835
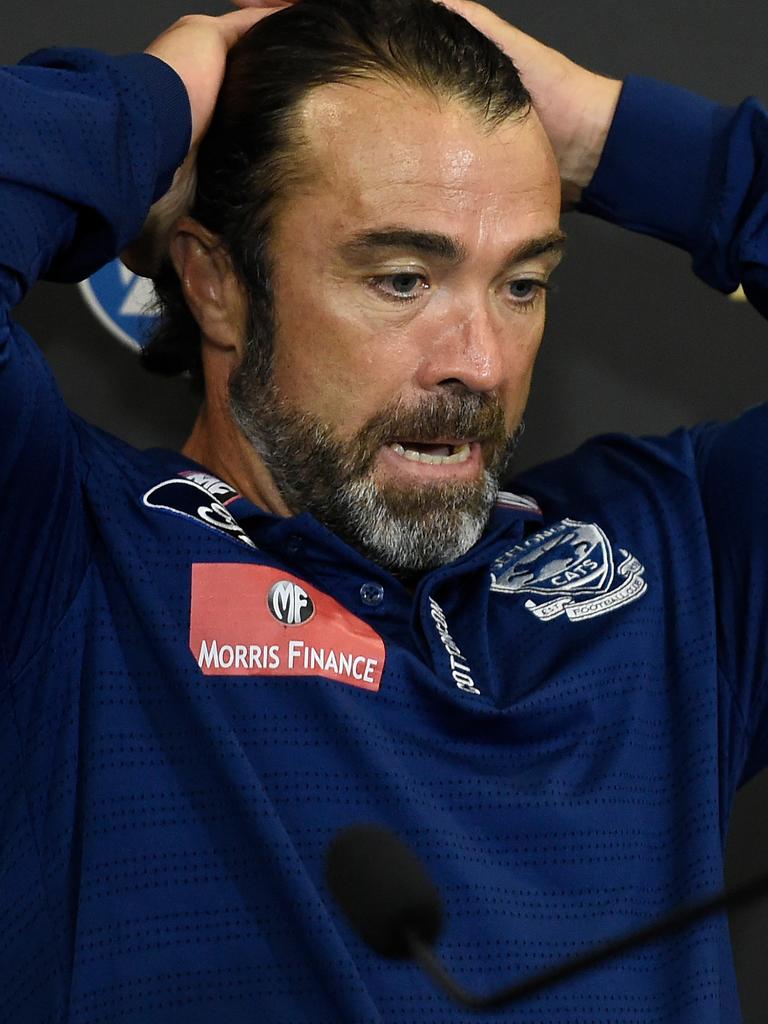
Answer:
x=404 y=530
x=414 y=543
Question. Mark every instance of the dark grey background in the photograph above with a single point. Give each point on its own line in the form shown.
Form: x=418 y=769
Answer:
x=634 y=342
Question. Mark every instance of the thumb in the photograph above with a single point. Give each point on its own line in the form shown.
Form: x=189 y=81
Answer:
x=235 y=24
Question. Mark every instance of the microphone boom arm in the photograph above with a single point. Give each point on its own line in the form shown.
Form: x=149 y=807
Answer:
x=747 y=892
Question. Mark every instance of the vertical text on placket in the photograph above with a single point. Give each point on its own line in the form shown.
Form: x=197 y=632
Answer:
x=460 y=671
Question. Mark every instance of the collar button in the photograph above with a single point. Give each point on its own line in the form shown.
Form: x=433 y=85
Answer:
x=371 y=594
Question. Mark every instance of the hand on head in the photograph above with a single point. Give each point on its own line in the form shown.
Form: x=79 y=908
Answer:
x=196 y=48
x=576 y=106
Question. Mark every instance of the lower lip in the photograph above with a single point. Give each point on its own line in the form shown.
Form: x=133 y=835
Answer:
x=426 y=471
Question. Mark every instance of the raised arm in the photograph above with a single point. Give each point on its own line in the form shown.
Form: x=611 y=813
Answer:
x=98 y=141
x=88 y=143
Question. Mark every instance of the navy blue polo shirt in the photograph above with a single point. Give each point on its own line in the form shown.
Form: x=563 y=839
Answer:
x=196 y=695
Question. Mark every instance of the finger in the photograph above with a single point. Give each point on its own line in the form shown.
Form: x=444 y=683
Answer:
x=262 y=3
x=235 y=24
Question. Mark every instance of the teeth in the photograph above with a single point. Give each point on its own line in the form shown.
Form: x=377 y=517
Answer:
x=460 y=455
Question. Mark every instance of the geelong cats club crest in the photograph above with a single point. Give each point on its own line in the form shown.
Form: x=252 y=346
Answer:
x=570 y=569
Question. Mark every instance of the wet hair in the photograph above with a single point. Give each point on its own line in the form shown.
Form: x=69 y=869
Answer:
x=252 y=151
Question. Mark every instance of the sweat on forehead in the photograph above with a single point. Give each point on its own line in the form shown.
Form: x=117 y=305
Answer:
x=381 y=129
x=430 y=185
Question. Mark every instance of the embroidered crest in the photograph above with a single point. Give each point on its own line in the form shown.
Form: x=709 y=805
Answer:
x=571 y=569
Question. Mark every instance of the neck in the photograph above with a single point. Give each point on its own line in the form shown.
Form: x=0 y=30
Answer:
x=218 y=444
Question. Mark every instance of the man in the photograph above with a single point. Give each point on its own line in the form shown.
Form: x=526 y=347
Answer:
x=213 y=661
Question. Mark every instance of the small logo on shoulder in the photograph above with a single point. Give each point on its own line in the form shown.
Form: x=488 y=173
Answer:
x=289 y=603
x=198 y=497
x=570 y=569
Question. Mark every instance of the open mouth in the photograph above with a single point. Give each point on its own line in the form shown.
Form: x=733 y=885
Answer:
x=434 y=453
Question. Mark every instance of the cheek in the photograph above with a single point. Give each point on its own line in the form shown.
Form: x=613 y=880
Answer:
x=522 y=352
x=331 y=363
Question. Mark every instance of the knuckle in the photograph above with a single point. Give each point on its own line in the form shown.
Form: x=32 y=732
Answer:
x=192 y=20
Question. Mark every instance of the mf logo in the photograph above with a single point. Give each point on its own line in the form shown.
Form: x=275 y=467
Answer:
x=290 y=603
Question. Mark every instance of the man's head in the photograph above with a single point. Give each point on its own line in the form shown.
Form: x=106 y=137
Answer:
x=387 y=205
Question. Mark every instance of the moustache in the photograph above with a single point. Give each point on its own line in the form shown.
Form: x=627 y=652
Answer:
x=459 y=416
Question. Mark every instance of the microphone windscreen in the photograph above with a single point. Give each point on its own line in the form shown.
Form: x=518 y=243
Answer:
x=383 y=889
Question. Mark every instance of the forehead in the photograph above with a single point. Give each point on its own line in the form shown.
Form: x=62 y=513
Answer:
x=379 y=152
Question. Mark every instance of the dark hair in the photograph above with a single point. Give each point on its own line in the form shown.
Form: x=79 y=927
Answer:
x=251 y=152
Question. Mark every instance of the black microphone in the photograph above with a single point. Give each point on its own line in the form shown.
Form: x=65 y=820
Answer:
x=392 y=903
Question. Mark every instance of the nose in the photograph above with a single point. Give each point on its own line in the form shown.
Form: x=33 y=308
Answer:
x=468 y=347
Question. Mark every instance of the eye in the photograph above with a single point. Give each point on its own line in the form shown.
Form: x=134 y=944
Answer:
x=402 y=287
x=527 y=290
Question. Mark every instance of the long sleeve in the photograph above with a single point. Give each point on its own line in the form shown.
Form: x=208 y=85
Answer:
x=695 y=174
x=89 y=142
x=692 y=173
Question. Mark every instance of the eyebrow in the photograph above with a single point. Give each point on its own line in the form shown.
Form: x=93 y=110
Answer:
x=444 y=247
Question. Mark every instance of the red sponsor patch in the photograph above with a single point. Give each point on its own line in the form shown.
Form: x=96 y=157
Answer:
x=252 y=620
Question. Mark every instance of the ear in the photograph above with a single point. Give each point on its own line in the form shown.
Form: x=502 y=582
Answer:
x=214 y=293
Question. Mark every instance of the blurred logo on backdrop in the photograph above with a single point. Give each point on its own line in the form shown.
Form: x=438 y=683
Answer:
x=121 y=301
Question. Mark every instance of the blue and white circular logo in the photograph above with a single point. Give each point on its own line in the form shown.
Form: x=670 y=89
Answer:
x=120 y=300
